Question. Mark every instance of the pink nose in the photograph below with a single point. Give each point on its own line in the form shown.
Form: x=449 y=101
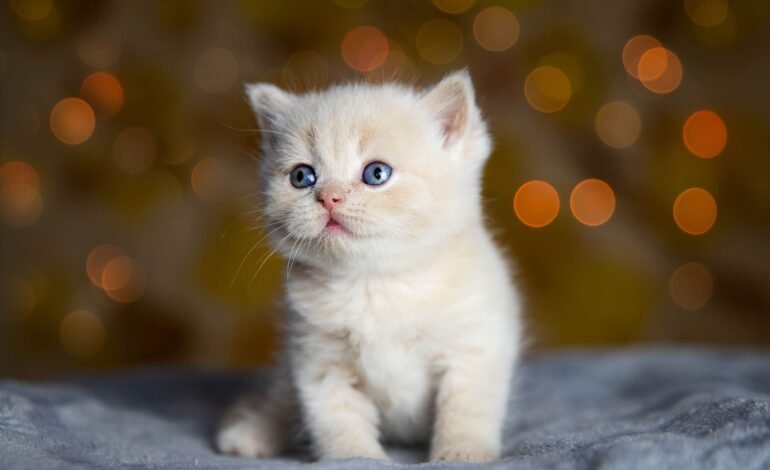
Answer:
x=329 y=199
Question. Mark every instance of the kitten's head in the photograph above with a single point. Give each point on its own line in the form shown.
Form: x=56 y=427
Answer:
x=370 y=176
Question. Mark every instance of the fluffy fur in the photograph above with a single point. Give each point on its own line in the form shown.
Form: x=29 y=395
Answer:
x=404 y=326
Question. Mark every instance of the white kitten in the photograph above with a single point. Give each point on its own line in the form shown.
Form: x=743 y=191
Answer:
x=402 y=319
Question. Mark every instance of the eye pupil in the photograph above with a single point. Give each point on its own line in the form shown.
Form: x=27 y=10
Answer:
x=302 y=176
x=376 y=173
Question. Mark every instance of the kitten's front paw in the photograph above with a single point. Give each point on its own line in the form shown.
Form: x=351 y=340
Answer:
x=467 y=451
x=247 y=439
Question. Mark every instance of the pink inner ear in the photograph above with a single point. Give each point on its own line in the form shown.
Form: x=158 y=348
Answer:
x=454 y=123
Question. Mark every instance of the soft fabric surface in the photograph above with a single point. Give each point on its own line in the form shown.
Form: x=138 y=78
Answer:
x=655 y=408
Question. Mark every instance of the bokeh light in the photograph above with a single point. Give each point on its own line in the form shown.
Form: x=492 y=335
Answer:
x=208 y=179
x=123 y=280
x=704 y=134
x=98 y=259
x=707 y=13
x=496 y=28
x=439 y=41
x=633 y=51
x=618 y=124
x=104 y=91
x=99 y=49
x=20 y=201
x=695 y=211
x=32 y=9
x=660 y=70
x=691 y=286
x=364 y=48
x=547 y=89
x=215 y=70
x=536 y=203
x=72 y=121
x=81 y=334
x=592 y=202
x=454 y=7
x=135 y=150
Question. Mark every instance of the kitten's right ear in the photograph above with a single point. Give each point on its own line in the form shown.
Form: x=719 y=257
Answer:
x=268 y=102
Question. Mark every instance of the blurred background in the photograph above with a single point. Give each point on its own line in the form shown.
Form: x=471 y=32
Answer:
x=630 y=176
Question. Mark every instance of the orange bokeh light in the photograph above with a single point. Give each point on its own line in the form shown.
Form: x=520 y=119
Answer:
x=695 y=211
x=72 y=121
x=104 y=91
x=20 y=201
x=536 y=203
x=705 y=134
x=691 y=286
x=364 y=48
x=98 y=259
x=123 y=280
x=592 y=202
x=660 y=70
x=633 y=51
x=496 y=29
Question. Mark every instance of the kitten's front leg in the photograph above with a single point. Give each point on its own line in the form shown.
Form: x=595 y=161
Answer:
x=470 y=410
x=342 y=421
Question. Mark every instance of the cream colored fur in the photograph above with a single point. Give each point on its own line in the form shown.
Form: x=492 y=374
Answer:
x=406 y=328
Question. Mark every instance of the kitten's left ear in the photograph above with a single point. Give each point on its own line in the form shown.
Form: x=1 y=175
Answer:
x=268 y=102
x=452 y=102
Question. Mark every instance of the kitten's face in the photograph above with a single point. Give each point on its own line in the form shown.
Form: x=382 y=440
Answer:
x=369 y=176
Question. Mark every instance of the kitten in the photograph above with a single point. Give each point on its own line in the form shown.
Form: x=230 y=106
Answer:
x=402 y=319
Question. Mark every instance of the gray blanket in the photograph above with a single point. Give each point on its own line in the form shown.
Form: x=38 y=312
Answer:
x=655 y=408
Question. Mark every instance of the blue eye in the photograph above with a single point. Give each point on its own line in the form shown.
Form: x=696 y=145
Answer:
x=376 y=173
x=302 y=176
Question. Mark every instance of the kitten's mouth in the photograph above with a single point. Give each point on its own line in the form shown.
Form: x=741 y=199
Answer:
x=334 y=227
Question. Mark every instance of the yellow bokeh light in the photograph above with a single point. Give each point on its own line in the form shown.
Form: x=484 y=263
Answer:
x=104 y=91
x=72 y=121
x=704 y=134
x=215 y=70
x=135 y=150
x=691 y=286
x=536 y=203
x=618 y=124
x=548 y=89
x=454 y=7
x=496 y=29
x=81 y=334
x=633 y=51
x=364 y=48
x=98 y=259
x=707 y=13
x=660 y=70
x=592 y=202
x=695 y=211
x=439 y=41
x=32 y=9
